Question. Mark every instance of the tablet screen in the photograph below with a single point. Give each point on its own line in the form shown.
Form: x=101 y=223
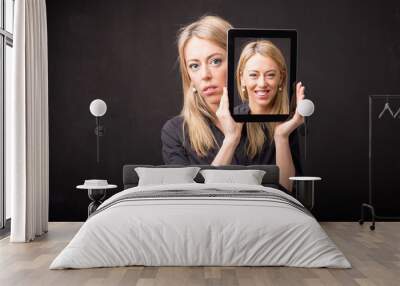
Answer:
x=261 y=74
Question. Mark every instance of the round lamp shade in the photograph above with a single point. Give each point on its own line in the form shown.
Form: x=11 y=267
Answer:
x=98 y=107
x=305 y=107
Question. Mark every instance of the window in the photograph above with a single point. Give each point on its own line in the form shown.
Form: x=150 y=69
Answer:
x=6 y=63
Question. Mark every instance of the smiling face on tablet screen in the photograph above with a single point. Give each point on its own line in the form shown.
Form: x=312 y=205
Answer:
x=262 y=78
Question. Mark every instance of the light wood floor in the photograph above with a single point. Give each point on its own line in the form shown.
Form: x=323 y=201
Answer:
x=375 y=257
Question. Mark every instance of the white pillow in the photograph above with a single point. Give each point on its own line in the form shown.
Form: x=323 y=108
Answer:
x=248 y=177
x=163 y=176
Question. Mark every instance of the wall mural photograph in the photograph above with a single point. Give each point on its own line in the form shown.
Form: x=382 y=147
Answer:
x=199 y=143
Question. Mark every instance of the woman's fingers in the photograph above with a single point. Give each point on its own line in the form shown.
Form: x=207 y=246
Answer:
x=223 y=107
x=298 y=85
x=298 y=118
x=300 y=91
x=230 y=128
x=301 y=94
x=224 y=103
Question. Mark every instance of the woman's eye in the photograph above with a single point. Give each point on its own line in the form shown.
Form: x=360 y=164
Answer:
x=253 y=75
x=216 y=61
x=193 y=66
x=271 y=75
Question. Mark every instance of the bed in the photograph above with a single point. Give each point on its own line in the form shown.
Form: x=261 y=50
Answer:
x=201 y=224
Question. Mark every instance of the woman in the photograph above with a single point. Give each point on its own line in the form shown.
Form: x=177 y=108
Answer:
x=261 y=79
x=205 y=132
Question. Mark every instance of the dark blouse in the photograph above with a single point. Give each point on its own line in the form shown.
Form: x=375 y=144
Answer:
x=242 y=109
x=176 y=148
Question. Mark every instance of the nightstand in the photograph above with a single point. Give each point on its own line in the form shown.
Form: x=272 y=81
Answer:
x=305 y=190
x=96 y=193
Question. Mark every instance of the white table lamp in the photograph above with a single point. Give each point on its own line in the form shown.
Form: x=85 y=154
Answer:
x=305 y=108
x=98 y=108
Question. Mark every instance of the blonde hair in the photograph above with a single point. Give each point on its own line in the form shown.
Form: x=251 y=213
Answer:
x=280 y=102
x=195 y=112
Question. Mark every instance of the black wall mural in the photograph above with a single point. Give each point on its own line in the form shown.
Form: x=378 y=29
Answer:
x=124 y=52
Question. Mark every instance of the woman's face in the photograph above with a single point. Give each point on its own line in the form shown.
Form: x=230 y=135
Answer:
x=261 y=78
x=207 y=68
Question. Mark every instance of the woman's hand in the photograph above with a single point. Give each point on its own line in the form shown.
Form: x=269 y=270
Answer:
x=231 y=129
x=284 y=129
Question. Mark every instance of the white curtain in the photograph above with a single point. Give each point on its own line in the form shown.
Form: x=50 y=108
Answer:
x=27 y=143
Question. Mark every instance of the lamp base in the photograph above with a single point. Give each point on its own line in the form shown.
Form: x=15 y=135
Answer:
x=99 y=130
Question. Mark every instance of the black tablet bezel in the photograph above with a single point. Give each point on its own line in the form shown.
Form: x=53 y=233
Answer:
x=259 y=33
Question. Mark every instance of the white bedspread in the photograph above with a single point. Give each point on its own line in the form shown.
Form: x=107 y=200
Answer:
x=200 y=231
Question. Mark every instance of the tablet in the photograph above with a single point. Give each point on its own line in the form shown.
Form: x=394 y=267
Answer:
x=261 y=74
